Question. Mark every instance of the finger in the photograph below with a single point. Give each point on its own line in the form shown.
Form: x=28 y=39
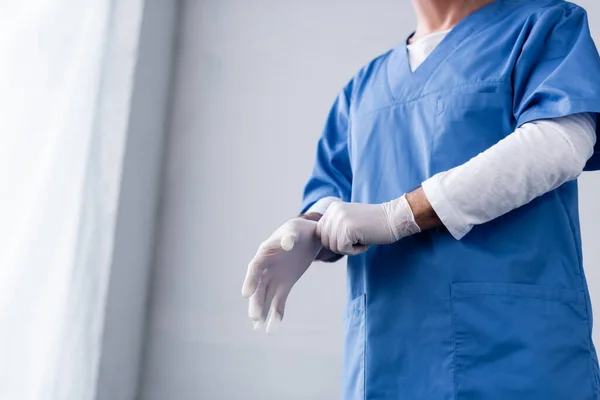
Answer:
x=344 y=245
x=333 y=233
x=322 y=227
x=270 y=294
x=274 y=322
x=279 y=300
x=255 y=269
x=277 y=309
x=288 y=241
x=319 y=228
x=257 y=300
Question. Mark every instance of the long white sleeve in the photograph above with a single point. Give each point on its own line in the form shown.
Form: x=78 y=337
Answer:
x=537 y=158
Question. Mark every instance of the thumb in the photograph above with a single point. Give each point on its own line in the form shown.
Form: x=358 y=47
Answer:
x=319 y=228
x=288 y=241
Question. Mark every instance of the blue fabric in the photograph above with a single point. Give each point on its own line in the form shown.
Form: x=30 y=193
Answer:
x=332 y=174
x=503 y=313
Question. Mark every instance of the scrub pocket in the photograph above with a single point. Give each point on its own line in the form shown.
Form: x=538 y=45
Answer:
x=467 y=124
x=353 y=386
x=518 y=342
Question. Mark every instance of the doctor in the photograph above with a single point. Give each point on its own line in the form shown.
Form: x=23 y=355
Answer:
x=470 y=286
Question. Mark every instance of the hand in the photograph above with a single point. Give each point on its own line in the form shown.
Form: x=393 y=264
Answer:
x=325 y=255
x=350 y=228
x=278 y=264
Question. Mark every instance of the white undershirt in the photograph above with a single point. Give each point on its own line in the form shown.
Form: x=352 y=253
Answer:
x=422 y=47
x=537 y=158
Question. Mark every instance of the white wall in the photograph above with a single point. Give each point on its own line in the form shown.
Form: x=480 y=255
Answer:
x=123 y=335
x=589 y=201
x=255 y=80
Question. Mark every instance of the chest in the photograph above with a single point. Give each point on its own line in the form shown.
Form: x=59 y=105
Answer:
x=405 y=143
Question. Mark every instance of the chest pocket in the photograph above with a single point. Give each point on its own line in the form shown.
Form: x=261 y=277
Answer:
x=468 y=124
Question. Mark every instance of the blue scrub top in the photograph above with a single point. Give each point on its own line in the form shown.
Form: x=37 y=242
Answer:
x=503 y=313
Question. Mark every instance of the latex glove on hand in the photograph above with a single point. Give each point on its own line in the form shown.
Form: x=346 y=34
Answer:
x=350 y=228
x=278 y=264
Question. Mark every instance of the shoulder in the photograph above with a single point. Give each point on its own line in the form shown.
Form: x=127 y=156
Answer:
x=543 y=23
x=525 y=14
x=373 y=67
x=543 y=11
x=371 y=75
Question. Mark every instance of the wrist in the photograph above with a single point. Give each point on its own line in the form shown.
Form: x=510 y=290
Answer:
x=400 y=218
x=324 y=254
x=424 y=214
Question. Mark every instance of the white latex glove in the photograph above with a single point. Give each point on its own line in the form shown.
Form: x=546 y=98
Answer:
x=350 y=228
x=278 y=264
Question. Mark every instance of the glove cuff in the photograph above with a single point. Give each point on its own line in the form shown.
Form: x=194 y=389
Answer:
x=400 y=218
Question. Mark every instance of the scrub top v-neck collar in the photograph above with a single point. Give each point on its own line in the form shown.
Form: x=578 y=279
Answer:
x=406 y=85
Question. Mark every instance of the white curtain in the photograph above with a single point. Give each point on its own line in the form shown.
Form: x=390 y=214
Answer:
x=62 y=132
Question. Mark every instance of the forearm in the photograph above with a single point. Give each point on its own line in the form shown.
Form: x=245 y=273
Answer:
x=535 y=159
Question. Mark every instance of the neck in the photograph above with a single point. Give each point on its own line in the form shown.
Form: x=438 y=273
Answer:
x=440 y=15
